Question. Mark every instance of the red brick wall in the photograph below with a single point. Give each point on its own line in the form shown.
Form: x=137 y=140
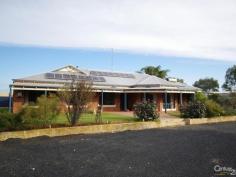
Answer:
x=18 y=101
x=117 y=104
x=133 y=98
x=159 y=101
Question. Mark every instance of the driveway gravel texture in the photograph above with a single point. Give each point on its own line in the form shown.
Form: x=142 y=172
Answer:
x=180 y=151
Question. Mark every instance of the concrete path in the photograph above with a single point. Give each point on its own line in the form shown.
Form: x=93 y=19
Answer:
x=123 y=113
x=130 y=113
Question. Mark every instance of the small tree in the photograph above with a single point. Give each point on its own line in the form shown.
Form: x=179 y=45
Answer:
x=76 y=96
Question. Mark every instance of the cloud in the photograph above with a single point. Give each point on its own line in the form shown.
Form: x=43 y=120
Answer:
x=201 y=29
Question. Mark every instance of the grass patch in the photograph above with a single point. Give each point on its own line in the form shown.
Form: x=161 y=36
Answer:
x=3 y=109
x=89 y=118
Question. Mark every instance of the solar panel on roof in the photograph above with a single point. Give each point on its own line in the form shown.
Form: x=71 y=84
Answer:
x=74 y=77
x=58 y=76
x=66 y=76
x=49 y=75
x=111 y=74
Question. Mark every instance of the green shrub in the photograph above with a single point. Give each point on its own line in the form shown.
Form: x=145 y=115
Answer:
x=229 y=112
x=200 y=97
x=194 y=109
x=4 y=121
x=226 y=101
x=48 y=108
x=215 y=97
x=213 y=109
x=43 y=113
x=10 y=121
x=145 y=111
x=30 y=115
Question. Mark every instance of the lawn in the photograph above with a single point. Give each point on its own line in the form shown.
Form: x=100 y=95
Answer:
x=3 y=109
x=89 y=118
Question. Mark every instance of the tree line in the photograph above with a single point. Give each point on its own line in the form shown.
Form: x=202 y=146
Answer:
x=208 y=84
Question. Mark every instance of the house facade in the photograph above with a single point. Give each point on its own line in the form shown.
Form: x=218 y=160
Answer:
x=115 y=91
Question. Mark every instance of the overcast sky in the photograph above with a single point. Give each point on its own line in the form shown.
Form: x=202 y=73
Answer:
x=203 y=29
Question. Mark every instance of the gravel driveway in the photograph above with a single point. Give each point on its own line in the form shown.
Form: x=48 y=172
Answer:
x=180 y=151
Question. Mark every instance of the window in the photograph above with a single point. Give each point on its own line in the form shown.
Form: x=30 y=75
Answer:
x=149 y=97
x=33 y=95
x=167 y=105
x=108 y=99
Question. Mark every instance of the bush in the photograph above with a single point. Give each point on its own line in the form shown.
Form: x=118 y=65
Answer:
x=200 y=96
x=229 y=112
x=43 y=113
x=145 y=111
x=215 y=97
x=213 y=109
x=195 y=109
x=4 y=121
x=227 y=102
x=10 y=121
x=48 y=108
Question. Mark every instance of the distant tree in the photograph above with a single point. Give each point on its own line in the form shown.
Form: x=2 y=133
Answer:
x=230 y=79
x=76 y=96
x=156 y=71
x=207 y=84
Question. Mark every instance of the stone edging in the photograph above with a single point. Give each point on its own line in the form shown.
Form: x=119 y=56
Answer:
x=210 y=120
x=109 y=128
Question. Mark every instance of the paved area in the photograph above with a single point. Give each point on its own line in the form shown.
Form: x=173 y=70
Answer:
x=181 y=151
x=123 y=113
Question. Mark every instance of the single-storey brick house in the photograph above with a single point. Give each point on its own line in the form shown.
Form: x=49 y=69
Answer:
x=115 y=91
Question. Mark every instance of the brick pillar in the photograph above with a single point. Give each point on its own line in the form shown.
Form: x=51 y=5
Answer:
x=159 y=101
x=18 y=100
